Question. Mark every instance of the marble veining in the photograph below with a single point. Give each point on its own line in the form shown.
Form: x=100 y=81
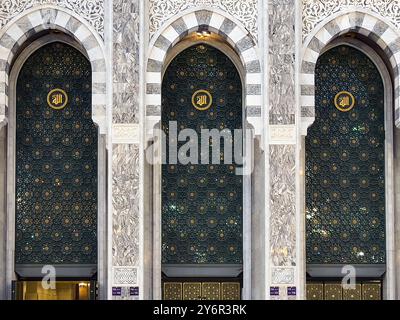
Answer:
x=282 y=157
x=125 y=61
x=125 y=202
x=282 y=205
x=281 y=58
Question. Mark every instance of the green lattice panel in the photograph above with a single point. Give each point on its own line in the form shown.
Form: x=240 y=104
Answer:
x=56 y=161
x=345 y=164
x=201 y=204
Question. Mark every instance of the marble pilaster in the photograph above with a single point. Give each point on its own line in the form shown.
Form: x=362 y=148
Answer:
x=281 y=269
x=125 y=234
x=125 y=216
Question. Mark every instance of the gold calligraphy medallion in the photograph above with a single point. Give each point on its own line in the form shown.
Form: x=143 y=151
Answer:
x=344 y=101
x=202 y=100
x=57 y=99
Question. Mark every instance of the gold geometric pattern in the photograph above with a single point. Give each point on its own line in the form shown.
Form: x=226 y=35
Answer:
x=201 y=291
x=192 y=291
x=336 y=291
x=172 y=291
x=371 y=291
x=230 y=291
x=333 y=291
x=210 y=290
x=315 y=291
x=352 y=294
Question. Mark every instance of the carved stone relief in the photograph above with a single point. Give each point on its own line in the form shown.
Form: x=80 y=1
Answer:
x=91 y=10
x=246 y=11
x=315 y=11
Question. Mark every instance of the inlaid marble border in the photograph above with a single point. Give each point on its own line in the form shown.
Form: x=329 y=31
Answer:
x=31 y=22
x=236 y=35
x=363 y=23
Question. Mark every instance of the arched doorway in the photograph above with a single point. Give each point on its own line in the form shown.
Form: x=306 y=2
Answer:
x=202 y=200
x=348 y=162
x=55 y=144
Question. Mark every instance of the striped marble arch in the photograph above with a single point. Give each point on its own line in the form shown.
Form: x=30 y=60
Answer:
x=31 y=22
x=382 y=33
x=235 y=34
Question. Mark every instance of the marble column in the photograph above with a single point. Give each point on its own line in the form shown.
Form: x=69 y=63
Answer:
x=125 y=233
x=282 y=221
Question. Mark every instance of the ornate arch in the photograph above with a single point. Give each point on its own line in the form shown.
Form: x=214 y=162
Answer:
x=363 y=23
x=235 y=34
x=20 y=29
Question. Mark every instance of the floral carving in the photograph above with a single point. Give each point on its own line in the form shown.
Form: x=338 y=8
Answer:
x=91 y=10
x=314 y=11
x=246 y=11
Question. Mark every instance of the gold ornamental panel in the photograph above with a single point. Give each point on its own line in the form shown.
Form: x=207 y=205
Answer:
x=192 y=291
x=230 y=291
x=210 y=290
x=333 y=291
x=172 y=291
x=201 y=291
x=315 y=291
x=353 y=294
x=371 y=291
x=336 y=291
